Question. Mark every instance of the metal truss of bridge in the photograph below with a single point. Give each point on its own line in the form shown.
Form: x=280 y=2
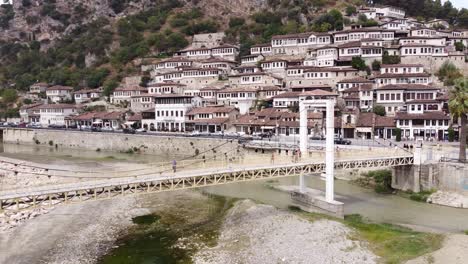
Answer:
x=118 y=187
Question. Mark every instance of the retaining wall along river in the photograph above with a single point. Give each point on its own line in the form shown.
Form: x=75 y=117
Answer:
x=151 y=144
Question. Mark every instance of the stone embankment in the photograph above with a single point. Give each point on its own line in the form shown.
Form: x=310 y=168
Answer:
x=119 y=142
x=255 y=233
x=451 y=199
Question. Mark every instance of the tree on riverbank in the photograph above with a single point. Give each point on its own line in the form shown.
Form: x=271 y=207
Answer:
x=458 y=106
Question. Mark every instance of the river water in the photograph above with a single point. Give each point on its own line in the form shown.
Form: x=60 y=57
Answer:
x=380 y=208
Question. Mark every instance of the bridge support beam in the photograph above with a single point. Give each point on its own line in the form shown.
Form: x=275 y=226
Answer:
x=329 y=106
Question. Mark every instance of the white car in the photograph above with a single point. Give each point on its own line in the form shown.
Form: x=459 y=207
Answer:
x=141 y=129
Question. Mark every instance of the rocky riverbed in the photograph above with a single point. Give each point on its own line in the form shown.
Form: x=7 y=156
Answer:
x=255 y=233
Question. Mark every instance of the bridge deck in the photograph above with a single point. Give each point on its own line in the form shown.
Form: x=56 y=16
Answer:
x=104 y=189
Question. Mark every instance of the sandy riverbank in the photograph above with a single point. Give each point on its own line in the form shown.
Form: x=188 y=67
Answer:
x=454 y=251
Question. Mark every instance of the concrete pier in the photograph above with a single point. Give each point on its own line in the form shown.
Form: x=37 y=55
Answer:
x=314 y=201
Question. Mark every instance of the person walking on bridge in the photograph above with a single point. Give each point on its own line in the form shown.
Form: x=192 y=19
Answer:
x=174 y=165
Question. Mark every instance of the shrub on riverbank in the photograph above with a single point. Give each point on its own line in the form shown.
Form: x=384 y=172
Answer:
x=421 y=196
x=380 y=180
x=466 y=232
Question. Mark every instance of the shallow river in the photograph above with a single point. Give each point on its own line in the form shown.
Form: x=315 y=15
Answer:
x=357 y=200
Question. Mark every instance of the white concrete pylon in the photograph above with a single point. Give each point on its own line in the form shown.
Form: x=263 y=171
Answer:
x=329 y=105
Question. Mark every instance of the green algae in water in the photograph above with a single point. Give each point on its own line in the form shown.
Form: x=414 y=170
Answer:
x=146 y=219
x=154 y=238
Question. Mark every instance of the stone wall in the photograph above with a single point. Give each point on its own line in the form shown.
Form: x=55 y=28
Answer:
x=150 y=144
x=444 y=176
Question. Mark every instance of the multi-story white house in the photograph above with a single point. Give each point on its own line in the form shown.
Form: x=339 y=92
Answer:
x=59 y=93
x=55 y=114
x=85 y=95
x=361 y=97
x=166 y=88
x=298 y=44
x=242 y=98
x=254 y=80
x=368 y=49
x=290 y=99
x=225 y=51
x=352 y=82
x=402 y=74
x=322 y=57
x=30 y=113
x=386 y=36
x=142 y=102
x=38 y=88
x=211 y=119
x=306 y=76
x=124 y=94
x=423 y=125
x=171 y=110
x=394 y=97
x=383 y=11
x=261 y=49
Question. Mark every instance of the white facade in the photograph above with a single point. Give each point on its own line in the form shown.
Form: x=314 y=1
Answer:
x=54 y=114
x=59 y=93
x=170 y=111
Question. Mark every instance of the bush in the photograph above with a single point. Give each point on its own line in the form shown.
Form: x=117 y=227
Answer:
x=397 y=133
x=421 y=196
x=236 y=22
x=358 y=63
x=459 y=46
x=448 y=73
x=379 y=110
x=350 y=10
x=376 y=65
x=451 y=134
x=383 y=180
x=390 y=59
x=51 y=143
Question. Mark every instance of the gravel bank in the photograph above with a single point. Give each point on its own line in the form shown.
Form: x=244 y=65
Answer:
x=263 y=234
x=76 y=233
x=454 y=251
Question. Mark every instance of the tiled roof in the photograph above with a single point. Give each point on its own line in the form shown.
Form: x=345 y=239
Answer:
x=406 y=87
x=57 y=106
x=435 y=115
x=400 y=65
x=356 y=80
x=399 y=75
x=210 y=110
x=59 y=87
x=99 y=115
x=165 y=84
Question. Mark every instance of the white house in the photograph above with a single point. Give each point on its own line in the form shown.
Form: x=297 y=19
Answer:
x=171 y=110
x=58 y=93
x=55 y=114
x=425 y=125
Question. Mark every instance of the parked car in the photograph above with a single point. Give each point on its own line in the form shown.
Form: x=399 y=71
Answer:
x=96 y=129
x=342 y=141
x=129 y=130
x=141 y=130
x=195 y=133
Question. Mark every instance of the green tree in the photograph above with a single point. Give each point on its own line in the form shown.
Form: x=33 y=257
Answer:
x=397 y=133
x=451 y=134
x=448 y=73
x=9 y=96
x=109 y=86
x=390 y=59
x=379 y=110
x=358 y=63
x=350 y=10
x=376 y=65
x=459 y=46
x=458 y=106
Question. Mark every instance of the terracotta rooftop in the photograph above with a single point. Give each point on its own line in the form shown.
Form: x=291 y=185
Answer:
x=211 y=110
x=59 y=87
x=406 y=87
x=356 y=80
x=435 y=115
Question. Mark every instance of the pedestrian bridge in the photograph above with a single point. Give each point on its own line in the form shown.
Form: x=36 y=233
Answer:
x=169 y=181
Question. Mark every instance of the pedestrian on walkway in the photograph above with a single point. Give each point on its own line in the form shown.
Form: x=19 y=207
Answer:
x=273 y=157
x=174 y=165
